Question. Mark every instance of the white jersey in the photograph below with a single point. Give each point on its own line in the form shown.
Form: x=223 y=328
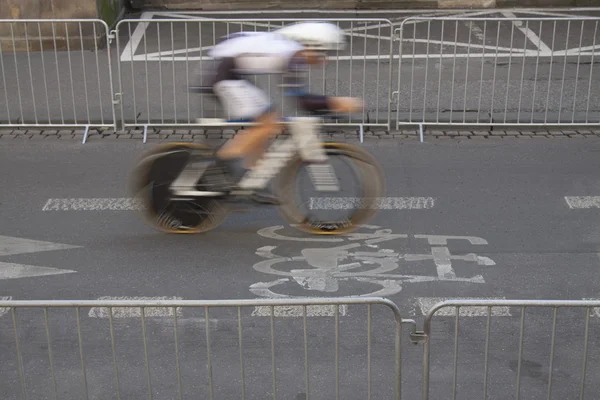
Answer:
x=257 y=52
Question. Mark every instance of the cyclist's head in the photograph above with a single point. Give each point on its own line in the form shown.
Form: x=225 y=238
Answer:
x=315 y=36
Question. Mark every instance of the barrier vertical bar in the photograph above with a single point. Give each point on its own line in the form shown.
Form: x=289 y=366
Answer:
x=4 y=83
x=173 y=69
x=149 y=379
x=12 y=34
x=273 y=369
x=351 y=59
x=537 y=64
x=453 y=70
x=369 y=351
x=550 y=74
x=81 y=358
x=440 y=75
x=135 y=113
x=577 y=73
x=100 y=103
x=162 y=108
x=520 y=361
x=19 y=357
x=378 y=66
x=522 y=74
x=177 y=367
x=412 y=74
x=455 y=372
x=87 y=102
x=241 y=353
x=365 y=71
x=337 y=352
x=426 y=70
x=114 y=354
x=585 y=351
x=587 y=108
x=50 y=359
x=487 y=350
x=512 y=31
x=494 y=78
x=60 y=102
x=307 y=379
x=467 y=71
x=187 y=70
x=562 y=85
x=44 y=72
x=552 y=346
x=71 y=72
x=35 y=115
x=208 y=356
x=482 y=65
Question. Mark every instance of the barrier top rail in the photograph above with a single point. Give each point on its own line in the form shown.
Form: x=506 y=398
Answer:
x=202 y=303
x=515 y=18
x=506 y=303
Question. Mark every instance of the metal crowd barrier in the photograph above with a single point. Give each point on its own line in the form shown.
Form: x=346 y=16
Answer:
x=161 y=58
x=468 y=71
x=539 y=349
x=56 y=73
x=171 y=348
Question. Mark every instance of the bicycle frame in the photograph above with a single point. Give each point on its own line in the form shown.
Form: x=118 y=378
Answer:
x=304 y=140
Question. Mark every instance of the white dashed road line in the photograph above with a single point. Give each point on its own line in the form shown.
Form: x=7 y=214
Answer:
x=298 y=311
x=427 y=303
x=134 y=312
x=4 y=310
x=583 y=201
x=324 y=203
x=382 y=203
x=90 y=204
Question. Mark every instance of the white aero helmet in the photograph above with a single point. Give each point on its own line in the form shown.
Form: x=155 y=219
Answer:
x=315 y=35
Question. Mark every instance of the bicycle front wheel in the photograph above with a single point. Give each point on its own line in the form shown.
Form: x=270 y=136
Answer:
x=360 y=182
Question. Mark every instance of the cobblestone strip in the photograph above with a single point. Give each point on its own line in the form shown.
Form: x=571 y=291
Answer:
x=345 y=134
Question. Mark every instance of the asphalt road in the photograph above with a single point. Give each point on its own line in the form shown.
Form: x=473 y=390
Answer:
x=503 y=201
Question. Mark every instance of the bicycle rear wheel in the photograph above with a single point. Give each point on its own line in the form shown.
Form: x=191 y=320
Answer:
x=150 y=183
x=305 y=213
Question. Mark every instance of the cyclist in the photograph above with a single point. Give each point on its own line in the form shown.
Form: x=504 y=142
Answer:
x=288 y=51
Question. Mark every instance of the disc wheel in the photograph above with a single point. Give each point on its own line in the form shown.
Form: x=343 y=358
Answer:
x=150 y=183
x=370 y=182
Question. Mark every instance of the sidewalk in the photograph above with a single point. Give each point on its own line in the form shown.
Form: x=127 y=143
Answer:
x=340 y=134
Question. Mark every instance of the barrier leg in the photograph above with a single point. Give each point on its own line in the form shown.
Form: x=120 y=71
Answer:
x=421 y=132
x=85 y=134
x=362 y=131
x=145 y=133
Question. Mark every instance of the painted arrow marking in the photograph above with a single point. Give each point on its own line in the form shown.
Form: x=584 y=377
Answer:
x=12 y=246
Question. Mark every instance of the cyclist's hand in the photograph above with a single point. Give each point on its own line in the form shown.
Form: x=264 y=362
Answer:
x=345 y=104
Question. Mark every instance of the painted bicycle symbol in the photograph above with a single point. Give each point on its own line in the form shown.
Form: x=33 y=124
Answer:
x=357 y=257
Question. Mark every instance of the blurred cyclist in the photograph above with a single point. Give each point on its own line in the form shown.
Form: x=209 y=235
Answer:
x=288 y=51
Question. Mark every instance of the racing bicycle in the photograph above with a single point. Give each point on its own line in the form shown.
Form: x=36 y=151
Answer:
x=180 y=186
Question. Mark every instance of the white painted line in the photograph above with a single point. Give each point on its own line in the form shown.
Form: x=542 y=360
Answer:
x=535 y=39
x=100 y=204
x=15 y=271
x=475 y=30
x=134 y=312
x=427 y=303
x=136 y=38
x=5 y=310
x=298 y=311
x=583 y=201
x=382 y=203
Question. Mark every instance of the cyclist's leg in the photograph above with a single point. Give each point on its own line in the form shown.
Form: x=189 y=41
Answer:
x=243 y=101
